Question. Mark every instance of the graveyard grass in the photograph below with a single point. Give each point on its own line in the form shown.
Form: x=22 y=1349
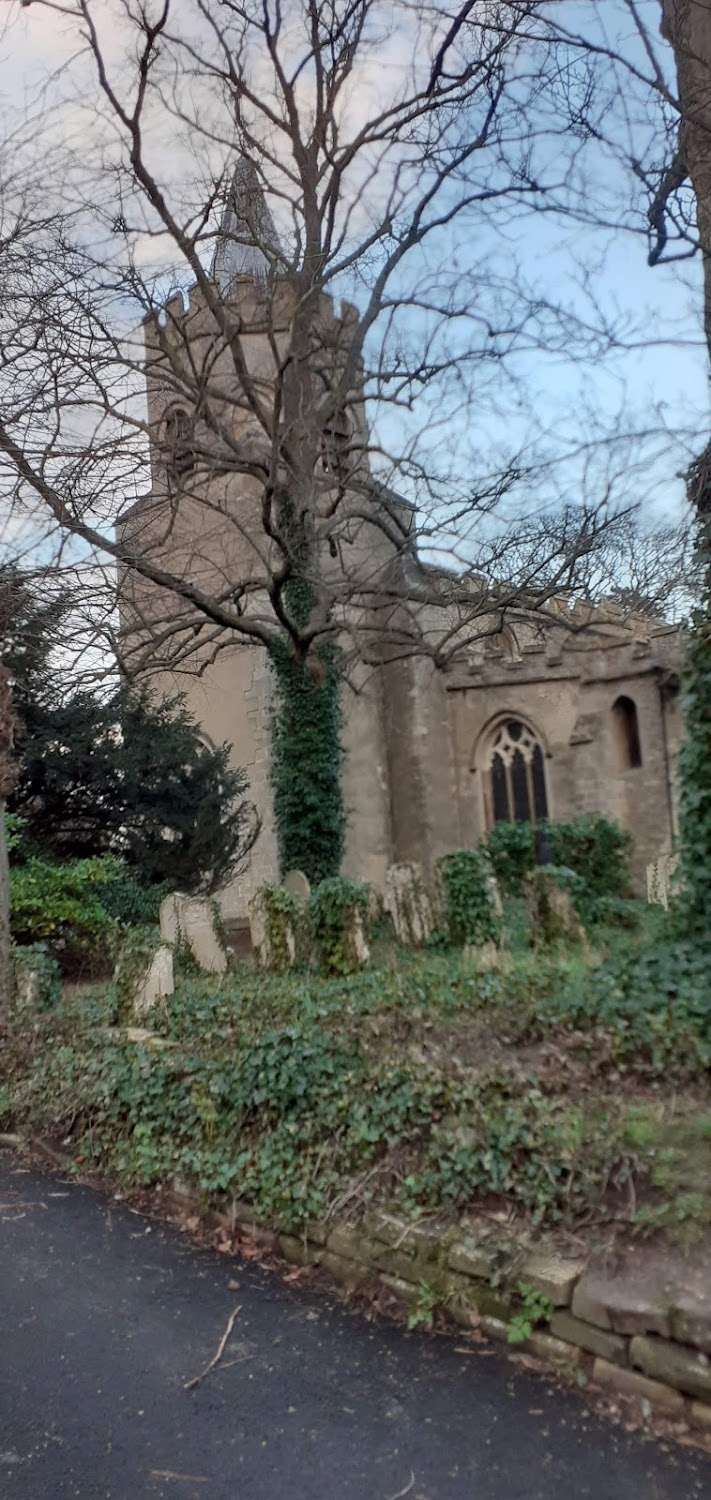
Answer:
x=564 y=1091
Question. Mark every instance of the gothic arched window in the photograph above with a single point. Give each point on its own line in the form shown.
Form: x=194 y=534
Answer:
x=626 y=731
x=517 y=775
x=179 y=439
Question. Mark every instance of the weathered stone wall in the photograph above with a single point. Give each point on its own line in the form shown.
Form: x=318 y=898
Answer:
x=640 y=1327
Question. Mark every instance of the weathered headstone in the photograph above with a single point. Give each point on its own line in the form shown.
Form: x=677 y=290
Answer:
x=272 y=924
x=37 y=980
x=551 y=909
x=408 y=904
x=192 y=922
x=143 y=975
x=497 y=904
x=298 y=885
x=336 y=922
x=660 y=874
x=489 y=956
x=155 y=983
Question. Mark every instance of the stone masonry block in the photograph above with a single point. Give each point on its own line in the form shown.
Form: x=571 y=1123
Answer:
x=609 y=1346
x=388 y=1228
x=691 y=1320
x=552 y=1276
x=317 y=1232
x=471 y=1259
x=405 y=1291
x=495 y=1328
x=554 y=1351
x=686 y=1369
x=343 y=1269
x=349 y=1241
x=622 y=1303
x=701 y=1414
x=629 y=1383
x=296 y=1252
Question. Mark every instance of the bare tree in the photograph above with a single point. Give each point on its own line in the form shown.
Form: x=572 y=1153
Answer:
x=264 y=448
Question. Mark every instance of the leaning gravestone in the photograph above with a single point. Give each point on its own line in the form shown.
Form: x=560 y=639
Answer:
x=273 y=914
x=551 y=910
x=155 y=983
x=143 y=975
x=408 y=904
x=299 y=886
x=192 y=922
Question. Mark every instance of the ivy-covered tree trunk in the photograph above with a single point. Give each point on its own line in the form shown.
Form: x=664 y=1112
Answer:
x=307 y=760
x=686 y=24
x=695 y=769
x=7 y=780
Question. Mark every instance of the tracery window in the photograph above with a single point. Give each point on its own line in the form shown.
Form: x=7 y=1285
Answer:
x=517 y=774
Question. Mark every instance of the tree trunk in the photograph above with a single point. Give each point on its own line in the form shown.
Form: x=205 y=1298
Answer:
x=7 y=781
x=5 y=952
x=686 y=24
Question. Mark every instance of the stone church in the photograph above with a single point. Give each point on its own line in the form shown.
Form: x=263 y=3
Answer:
x=540 y=717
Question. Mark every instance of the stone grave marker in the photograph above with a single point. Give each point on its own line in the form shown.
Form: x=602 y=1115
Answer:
x=299 y=885
x=272 y=930
x=408 y=904
x=192 y=922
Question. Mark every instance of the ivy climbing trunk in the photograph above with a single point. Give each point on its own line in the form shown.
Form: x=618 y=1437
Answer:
x=686 y=24
x=7 y=781
x=695 y=766
x=307 y=760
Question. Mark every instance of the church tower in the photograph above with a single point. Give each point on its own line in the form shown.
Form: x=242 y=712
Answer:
x=213 y=361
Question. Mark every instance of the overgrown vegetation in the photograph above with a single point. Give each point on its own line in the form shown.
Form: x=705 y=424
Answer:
x=593 y=847
x=424 y=1083
x=467 y=898
x=307 y=759
x=695 y=773
x=113 y=774
x=337 y=913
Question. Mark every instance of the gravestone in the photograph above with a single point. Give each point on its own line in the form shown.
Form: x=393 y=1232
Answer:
x=659 y=878
x=489 y=956
x=272 y=928
x=155 y=983
x=497 y=904
x=192 y=922
x=298 y=885
x=408 y=904
x=551 y=909
x=143 y=976
x=37 y=980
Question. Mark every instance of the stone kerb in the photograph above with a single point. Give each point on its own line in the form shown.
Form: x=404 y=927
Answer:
x=408 y=904
x=273 y=915
x=192 y=922
x=620 y=1329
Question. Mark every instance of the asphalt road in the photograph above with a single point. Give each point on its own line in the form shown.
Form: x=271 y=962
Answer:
x=104 y=1316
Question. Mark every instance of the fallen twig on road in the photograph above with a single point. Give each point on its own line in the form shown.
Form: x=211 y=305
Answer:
x=169 y=1474
x=217 y=1356
x=406 y=1490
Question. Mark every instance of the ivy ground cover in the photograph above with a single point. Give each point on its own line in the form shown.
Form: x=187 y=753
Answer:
x=563 y=1092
